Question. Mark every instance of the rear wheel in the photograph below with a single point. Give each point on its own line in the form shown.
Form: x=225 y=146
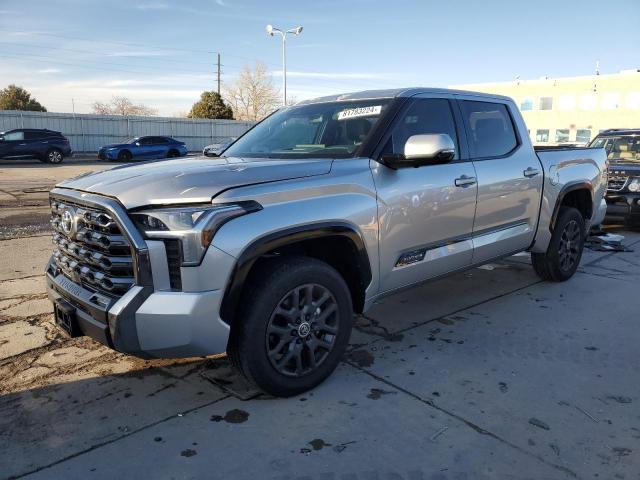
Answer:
x=563 y=255
x=124 y=156
x=54 y=156
x=294 y=329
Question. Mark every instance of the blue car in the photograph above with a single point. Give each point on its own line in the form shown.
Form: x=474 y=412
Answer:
x=143 y=148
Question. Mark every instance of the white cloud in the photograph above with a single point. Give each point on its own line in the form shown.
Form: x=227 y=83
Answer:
x=153 y=6
x=221 y=3
x=336 y=75
x=141 y=53
x=49 y=70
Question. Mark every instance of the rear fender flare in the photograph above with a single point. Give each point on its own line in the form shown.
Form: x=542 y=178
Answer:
x=568 y=188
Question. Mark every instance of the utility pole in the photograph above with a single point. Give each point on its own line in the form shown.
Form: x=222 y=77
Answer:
x=218 y=74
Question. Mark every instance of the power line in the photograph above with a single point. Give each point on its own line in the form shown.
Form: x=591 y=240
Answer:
x=94 y=52
x=84 y=64
x=147 y=45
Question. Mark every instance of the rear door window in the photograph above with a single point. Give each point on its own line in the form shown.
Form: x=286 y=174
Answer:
x=146 y=141
x=33 y=135
x=490 y=129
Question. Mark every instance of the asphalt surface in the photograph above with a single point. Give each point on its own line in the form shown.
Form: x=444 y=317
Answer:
x=486 y=374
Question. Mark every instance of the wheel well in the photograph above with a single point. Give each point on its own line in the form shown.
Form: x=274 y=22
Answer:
x=339 y=251
x=581 y=200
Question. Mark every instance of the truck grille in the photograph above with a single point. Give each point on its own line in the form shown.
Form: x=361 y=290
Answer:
x=617 y=182
x=90 y=248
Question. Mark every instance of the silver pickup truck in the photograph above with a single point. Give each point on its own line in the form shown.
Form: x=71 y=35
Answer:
x=313 y=214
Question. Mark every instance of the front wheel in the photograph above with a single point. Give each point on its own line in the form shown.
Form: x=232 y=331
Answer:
x=124 y=156
x=294 y=327
x=563 y=255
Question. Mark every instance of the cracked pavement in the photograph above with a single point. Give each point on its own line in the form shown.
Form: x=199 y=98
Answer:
x=487 y=374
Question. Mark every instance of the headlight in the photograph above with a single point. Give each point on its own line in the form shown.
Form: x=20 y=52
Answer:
x=193 y=226
x=634 y=186
x=112 y=148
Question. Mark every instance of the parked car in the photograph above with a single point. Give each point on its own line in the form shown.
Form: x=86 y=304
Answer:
x=216 y=149
x=45 y=145
x=623 y=192
x=143 y=148
x=319 y=210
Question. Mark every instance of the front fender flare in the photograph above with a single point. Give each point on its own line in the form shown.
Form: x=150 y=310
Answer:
x=282 y=238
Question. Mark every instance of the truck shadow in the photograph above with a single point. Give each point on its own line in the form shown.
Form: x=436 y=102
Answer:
x=44 y=425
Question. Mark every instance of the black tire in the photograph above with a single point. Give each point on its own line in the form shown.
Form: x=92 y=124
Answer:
x=257 y=347
x=53 y=156
x=124 y=156
x=173 y=154
x=563 y=255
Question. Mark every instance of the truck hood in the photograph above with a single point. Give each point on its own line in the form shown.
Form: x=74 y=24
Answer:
x=190 y=180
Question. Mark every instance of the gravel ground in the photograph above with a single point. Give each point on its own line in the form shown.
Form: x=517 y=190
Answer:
x=487 y=374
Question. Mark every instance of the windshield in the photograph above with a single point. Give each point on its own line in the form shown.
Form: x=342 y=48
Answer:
x=620 y=148
x=335 y=129
x=130 y=140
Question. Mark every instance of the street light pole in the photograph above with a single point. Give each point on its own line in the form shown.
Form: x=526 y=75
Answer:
x=284 y=67
x=271 y=30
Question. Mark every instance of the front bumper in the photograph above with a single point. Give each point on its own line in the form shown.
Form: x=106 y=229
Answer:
x=623 y=208
x=108 y=154
x=149 y=320
x=145 y=323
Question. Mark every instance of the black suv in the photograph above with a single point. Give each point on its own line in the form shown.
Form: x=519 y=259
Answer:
x=623 y=191
x=45 y=145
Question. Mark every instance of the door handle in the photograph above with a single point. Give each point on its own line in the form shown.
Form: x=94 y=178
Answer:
x=22 y=144
x=531 y=172
x=465 y=181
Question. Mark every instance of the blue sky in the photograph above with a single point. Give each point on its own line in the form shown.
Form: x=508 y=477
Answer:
x=161 y=52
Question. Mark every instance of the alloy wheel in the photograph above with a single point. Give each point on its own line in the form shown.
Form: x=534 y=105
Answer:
x=302 y=330
x=55 y=156
x=568 y=250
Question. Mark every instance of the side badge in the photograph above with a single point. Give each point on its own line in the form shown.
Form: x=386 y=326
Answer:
x=414 y=256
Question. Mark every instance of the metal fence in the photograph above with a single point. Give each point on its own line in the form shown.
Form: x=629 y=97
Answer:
x=87 y=133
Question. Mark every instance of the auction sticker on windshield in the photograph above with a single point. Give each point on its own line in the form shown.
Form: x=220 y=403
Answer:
x=360 y=112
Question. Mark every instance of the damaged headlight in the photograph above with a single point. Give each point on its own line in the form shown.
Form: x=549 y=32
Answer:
x=194 y=226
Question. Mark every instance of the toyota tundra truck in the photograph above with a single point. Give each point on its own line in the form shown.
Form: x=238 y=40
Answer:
x=313 y=214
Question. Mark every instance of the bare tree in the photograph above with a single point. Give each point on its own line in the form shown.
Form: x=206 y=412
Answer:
x=252 y=95
x=123 y=106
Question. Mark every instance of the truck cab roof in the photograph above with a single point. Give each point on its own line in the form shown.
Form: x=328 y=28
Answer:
x=396 y=93
x=620 y=131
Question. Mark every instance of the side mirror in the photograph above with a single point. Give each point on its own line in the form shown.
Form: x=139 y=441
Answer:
x=425 y=149
x=137 y=144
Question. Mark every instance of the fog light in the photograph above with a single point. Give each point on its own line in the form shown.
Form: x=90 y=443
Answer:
x=634 y=186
